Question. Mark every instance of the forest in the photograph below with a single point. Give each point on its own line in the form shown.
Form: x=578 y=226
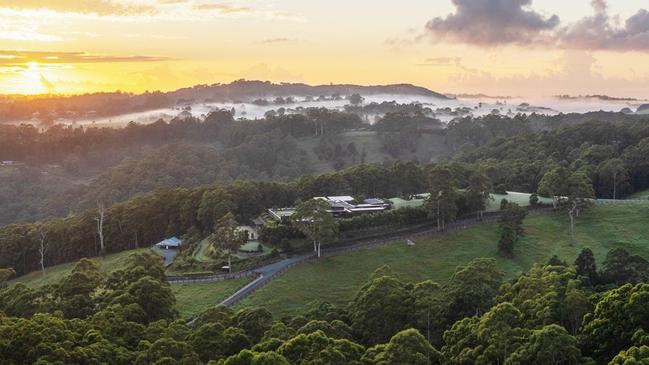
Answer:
x=597 y=159
x=65 y=170
x=556 y=313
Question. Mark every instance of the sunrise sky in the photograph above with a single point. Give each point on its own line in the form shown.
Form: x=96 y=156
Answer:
x=501 y=47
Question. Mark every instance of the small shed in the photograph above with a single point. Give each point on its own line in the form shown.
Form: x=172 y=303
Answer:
x=169 y=244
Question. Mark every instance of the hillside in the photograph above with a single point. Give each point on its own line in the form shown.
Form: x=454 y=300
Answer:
x=16 y=108
x=337 y=279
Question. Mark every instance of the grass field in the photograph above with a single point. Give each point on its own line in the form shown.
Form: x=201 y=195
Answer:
x=55 y=273
x=640 y=195
x=522 y=199
x=337 y=279
x=192 y=299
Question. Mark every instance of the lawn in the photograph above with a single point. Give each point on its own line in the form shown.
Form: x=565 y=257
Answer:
x=192 y=299
x=522 y=199
x=640 y=195
x=55 y=273
x=337 y=279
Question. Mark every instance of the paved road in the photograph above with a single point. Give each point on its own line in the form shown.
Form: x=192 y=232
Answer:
x=265 y=274
x=168 y=255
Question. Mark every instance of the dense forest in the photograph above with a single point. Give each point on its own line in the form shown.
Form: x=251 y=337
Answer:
x=66 y=170
x=595 y=159
x=556 y=313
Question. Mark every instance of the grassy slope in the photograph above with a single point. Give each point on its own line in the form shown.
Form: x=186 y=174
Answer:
x=55 y=273
x=338 y=278
x=192 y=299
x=640 y=195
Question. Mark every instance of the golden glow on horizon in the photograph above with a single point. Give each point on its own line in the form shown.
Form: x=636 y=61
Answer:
x=164 y=45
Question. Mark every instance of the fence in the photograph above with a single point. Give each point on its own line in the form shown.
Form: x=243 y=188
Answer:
x=357 y=244
x=261 y=281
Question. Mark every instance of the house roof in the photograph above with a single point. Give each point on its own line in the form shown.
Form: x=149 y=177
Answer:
x=172 y=242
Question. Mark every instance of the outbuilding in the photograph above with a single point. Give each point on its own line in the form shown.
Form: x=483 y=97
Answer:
x=172 y=243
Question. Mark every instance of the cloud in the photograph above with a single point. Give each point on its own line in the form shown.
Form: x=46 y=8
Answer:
x=224 y=8
x=573 y=72
x=144 y=10
x=601 y=31
x=99 y=7
x=491 y=22
x=20 y=57
x=280 y=40
x=441 y=61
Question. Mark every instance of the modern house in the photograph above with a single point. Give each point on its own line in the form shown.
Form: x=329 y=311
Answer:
x=340 y=206
x=172 y=243
x=344 y=205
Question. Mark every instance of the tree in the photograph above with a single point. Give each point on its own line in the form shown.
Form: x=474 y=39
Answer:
x=586 y=266
x=550 y=345
x=101 y=215
x=155 y=297
x=356 y=99
x=254 y=321
x=42 y=247
x=618 y=315
x=225 y=233
x=314 y=220
x=612 y=177
x=632 y=356
x=620 y=267
x=441 y=203
x=428 y=307
x=488 y=339
x=472 y=289
x=479 y=193
x=5 y=275
x=317 y=348
x=379 y=310
x=553 y=184
x=580 y=191
x=407 y=347
x=511 y=228
x=571 y=190
x=174 y=352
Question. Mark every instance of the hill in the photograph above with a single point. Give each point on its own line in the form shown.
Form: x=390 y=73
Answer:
x=96 y=105
x=336 y=279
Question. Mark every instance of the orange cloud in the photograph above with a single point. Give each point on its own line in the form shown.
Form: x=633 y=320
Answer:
x=99 y=7
x=17 y=57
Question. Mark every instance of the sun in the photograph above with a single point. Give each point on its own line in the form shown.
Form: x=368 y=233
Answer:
x=31 y=79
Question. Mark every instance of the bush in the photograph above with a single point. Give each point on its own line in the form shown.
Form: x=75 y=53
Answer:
x=404 y=216
x=534 y=199
x=501 y=189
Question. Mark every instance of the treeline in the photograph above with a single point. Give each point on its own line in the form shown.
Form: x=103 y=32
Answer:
x=613 y=156
x=521 y=164
x=553 y=314
x=147 y=219
x=140 y=158
x=57 y=143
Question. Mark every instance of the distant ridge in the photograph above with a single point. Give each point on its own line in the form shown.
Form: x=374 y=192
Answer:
x=243 y=90
x=47 y=108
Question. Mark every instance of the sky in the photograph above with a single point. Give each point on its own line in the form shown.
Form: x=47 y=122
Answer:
x=496 y=47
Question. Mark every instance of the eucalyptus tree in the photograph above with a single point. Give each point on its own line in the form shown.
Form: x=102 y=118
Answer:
x=314 y=219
